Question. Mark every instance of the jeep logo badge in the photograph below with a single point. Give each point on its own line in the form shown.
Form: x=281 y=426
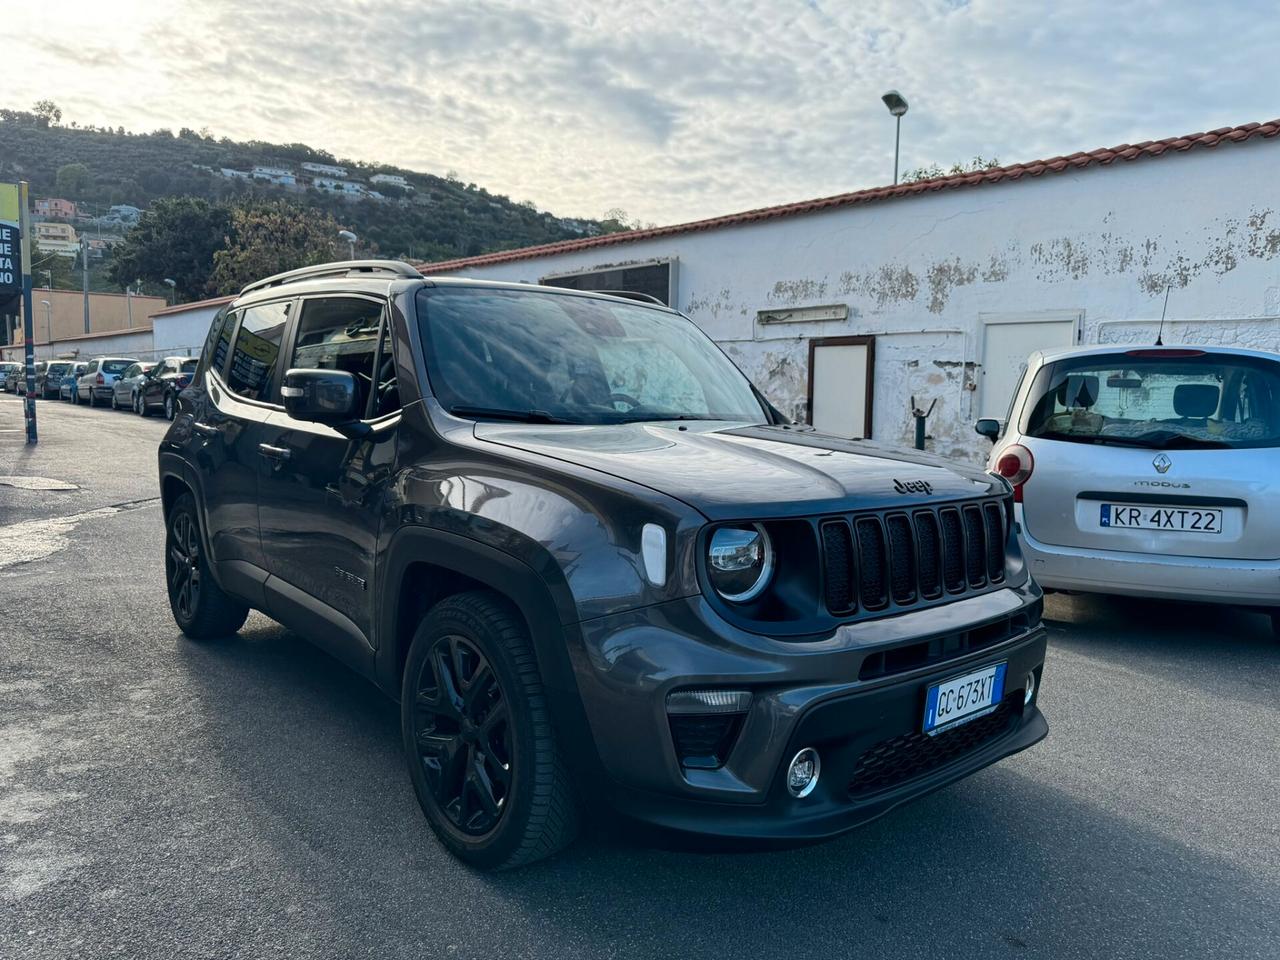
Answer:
x=913 y=486
x=1162 y=463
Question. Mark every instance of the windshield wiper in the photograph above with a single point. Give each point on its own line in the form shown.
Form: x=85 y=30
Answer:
x=517 y=416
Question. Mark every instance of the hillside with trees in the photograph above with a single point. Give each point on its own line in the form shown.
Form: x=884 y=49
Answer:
x=436 y=217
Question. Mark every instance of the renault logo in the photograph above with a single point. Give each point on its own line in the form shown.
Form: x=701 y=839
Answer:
x=1162 y=463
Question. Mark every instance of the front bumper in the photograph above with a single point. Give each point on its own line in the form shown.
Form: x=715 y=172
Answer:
x=803 y=695
x=1207 y=579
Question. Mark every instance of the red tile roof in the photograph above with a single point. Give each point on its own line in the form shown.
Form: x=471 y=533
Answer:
x=1036 y=168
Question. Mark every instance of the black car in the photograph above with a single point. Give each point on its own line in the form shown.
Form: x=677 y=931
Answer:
x=598 y=570
x=161 y=385
x=49 y=380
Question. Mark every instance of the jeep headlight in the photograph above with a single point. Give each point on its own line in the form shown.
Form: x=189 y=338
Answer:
x=740 y=562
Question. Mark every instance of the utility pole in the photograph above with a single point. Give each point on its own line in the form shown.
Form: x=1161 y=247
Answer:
x=84 y=263
x=28 y=321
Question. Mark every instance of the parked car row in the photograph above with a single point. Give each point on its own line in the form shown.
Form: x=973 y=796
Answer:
x=124 y=383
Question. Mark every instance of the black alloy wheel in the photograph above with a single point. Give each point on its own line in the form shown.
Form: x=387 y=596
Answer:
x=462 y=728
x=481 y=749
x=200 y=607
x=182 y=564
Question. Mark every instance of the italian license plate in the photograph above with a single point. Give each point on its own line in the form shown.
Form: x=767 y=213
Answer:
x=964 y=698
x=1136 y=516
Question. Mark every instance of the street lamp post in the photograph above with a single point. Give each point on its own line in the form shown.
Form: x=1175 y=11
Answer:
x=48 y=324
x=351 y=239
x=897 y=105
x=173 y=289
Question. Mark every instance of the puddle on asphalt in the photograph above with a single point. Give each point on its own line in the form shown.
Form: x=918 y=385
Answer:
x=36 y=483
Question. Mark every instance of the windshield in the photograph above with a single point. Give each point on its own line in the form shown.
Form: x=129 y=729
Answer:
x=1161 y=399
x=554 y=357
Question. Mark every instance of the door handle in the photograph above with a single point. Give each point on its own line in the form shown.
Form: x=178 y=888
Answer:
x=273 y=453
x=206 y=429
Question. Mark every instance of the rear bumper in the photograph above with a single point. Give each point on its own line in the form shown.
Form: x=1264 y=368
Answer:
x=803 y=695
x=1240 y=582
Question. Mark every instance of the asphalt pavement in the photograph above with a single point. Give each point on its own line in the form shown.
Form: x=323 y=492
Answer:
x=248 y=798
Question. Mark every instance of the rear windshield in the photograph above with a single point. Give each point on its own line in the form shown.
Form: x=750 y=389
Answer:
x=1158 y=399
x=58 y=369
x=189 y=366
x=116 y=366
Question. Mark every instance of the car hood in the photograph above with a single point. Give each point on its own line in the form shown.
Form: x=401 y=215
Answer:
x=738 y=471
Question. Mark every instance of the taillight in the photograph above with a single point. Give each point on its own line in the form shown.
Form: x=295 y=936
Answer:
x=101 y=381
x=1015 y=465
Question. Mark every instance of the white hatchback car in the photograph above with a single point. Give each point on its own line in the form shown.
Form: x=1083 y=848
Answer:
x=1150 y=471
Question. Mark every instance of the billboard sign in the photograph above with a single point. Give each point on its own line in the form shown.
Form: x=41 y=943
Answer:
x=10 y=241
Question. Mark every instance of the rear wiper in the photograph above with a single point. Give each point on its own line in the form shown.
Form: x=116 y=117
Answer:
x=497 y=413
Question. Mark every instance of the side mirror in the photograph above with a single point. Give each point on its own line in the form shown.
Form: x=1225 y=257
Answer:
x=988 y=427
x=323 y=396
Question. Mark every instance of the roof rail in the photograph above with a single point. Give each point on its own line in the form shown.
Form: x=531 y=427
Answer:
x=630 y=295
x=342 y=268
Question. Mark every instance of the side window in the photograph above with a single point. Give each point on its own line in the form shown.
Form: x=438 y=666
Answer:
x=387 y=398
x=214 y=353
x=92 y=367
x=340 y=333
x=257 y=347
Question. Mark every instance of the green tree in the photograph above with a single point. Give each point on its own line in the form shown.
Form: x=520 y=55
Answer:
x=62 y=275
x=73 y=180
x=934 y=171
x=177 y=239
x=47 y=113
x=269 y=237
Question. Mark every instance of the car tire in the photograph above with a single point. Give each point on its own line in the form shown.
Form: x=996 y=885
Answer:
x=170 y=406
x=114 y=405
x=142 y=406
x=200 y=607
x=473 y=650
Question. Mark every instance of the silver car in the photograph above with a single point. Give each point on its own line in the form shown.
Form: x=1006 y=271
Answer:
x=1149 y=471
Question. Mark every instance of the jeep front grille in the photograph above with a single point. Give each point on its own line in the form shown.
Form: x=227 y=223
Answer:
x=906 y=558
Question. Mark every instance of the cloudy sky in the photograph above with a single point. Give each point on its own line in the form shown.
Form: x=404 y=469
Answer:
x=670 y=110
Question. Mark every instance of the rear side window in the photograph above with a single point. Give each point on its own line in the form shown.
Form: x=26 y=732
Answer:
x=1160 y=399
x=256 y=350
x=218 y=341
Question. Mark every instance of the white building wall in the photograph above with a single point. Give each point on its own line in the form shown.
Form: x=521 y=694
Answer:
x=182 y=334
x=918 y=272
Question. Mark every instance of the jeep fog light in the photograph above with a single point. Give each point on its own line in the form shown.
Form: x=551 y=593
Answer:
x=1029 y=690
x=802 y=774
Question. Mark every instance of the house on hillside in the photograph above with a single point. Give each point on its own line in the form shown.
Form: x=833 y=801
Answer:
x=391 y=179
x=281 y=176
x=57 y=238
x=324 y=169
x=847 y=311
x=55 y=208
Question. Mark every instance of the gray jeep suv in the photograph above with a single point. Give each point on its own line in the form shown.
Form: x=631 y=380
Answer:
x=595 y=567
